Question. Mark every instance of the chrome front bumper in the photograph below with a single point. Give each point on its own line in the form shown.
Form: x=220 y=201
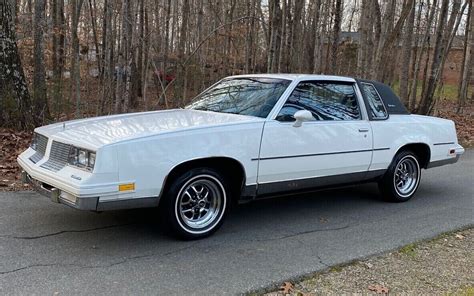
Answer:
x=58 y=196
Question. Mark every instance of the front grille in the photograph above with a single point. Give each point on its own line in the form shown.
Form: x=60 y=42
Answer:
x=58 y=156
x=42 y=142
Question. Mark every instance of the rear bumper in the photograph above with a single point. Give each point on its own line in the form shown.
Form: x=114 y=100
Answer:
x=453 y=156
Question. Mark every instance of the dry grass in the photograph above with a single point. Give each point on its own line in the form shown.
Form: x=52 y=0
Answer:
x=442 y=266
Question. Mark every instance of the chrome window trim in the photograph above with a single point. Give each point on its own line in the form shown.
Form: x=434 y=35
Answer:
x=284 y=98
x=381 y=100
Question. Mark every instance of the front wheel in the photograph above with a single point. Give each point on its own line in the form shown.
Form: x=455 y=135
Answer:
x=195 y=203
x=402 y=179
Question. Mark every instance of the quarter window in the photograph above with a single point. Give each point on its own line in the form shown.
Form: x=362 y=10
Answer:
x=376 y=106
x=325 y=100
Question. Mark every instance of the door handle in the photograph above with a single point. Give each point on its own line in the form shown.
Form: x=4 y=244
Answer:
x=363 y=130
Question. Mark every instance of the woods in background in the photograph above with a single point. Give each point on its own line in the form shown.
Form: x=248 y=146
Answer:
x=93 y=57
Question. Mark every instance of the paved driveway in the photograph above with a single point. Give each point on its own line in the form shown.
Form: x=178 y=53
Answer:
x=47 y=248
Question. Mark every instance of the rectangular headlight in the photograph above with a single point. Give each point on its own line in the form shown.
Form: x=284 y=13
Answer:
x=34 y=142
x=81 y=158
x=91 y=159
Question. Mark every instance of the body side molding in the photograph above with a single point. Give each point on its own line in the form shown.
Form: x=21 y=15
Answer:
x=320 y=154
x=310 y=184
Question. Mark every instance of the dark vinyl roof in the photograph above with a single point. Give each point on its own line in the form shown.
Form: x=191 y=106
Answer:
x=390 y=99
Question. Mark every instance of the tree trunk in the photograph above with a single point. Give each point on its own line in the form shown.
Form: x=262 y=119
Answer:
x=448 y=37
x=76 y=6
x=57 y=11
x=14 y=96
x=388 y=38
x=125 y=60
x=105 y=24
x=274 y=27
x=134 y=80
x=428 y=91
x=140 y=42
x=181 y=75
x=40 y=101
x=283 y=50
x=406 y=56
x=468 y=59
x=287 y=39
x=92 y=9
x=108 y=93
x=335 y=32
x=424 y=44
x=363 y=49
x=296 y=33
x=164 y=68
x=317 y=40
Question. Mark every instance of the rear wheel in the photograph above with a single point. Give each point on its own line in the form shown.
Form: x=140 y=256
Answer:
x=402 y=179
x=195 y=203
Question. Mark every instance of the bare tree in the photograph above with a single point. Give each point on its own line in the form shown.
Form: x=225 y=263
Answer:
x=407 y=49
x=418 y=58
x=75 y=92
x=388 y=37
x=274 y=27
x=125 y=58
x=364 y=45
x=316 y=37
x=468 y=60
x=335 y=35
x=14 y=96
x=444 y=29
x=183 y=46
x=57 y=15
x=40 y=101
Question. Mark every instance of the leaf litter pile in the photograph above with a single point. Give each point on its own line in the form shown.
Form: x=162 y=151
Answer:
x=464 y=121
x=12 y=143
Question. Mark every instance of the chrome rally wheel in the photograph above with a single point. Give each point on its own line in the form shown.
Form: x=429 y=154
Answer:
x=200 y=203
x=402 y=178
x=195 y=203
x=407 y=175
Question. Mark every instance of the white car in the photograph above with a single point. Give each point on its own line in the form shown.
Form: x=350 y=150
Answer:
x=244 y=138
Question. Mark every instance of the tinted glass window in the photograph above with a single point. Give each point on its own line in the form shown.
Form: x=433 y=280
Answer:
x=376 y=106
x=325 y=100
x=246 y=96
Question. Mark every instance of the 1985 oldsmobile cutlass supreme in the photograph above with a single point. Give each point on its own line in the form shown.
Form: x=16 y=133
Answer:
x=243 y=138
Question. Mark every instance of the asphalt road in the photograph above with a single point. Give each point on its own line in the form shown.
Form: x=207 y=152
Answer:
x=47 y=248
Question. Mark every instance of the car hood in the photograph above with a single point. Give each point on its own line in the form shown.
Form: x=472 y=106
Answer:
x=99 y=131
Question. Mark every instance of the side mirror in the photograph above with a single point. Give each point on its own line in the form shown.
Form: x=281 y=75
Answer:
x=302 y=115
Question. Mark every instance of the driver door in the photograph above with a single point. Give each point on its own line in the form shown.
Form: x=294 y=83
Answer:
x=334 y=148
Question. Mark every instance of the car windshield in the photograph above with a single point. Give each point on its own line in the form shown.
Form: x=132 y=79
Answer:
x=254 y=96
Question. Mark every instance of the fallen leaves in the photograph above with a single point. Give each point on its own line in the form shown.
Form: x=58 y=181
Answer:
x=323 y=220
x=286 y=288
x=12 y=143
x=368 y=265
x=379 y=289
x=464 y=121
